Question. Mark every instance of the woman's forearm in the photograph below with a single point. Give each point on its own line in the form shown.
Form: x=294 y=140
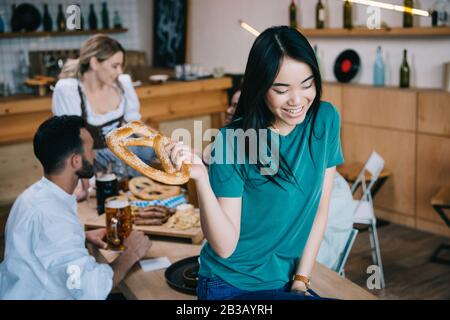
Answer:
x=313 y=244
x=217 y=225
x=315 y=238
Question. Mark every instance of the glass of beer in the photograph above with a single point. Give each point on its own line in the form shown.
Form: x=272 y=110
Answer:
x=106 y=186
x=119 y=222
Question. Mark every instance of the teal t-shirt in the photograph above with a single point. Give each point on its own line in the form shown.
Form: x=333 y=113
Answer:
x=276 y=217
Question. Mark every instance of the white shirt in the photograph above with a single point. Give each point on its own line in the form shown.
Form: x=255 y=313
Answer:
x=45 y=253
x=66 y=101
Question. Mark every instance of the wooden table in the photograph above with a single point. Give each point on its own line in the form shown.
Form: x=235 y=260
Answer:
x=142 y=285
x=351 y=171
x=441 y=202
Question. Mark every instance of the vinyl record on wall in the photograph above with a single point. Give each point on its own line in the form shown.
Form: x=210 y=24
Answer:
x=347 y=65
x=26 y=17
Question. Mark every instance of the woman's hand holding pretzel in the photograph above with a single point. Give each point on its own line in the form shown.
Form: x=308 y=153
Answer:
x=180 y=153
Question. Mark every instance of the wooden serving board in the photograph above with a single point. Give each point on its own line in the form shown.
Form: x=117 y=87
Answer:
x=92 y=220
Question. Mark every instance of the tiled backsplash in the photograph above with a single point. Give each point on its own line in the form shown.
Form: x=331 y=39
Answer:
x=10 y=48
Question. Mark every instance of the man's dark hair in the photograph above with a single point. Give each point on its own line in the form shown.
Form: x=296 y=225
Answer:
x=56 y=139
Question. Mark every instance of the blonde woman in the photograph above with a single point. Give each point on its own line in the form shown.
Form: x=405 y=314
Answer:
x=95 y=88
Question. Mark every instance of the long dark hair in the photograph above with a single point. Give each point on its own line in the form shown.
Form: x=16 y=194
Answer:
x=263 y=65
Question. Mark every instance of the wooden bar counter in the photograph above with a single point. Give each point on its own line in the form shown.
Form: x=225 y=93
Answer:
x=160 y=104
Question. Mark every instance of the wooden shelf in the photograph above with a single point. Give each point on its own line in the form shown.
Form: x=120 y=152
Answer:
x=365 y=32
x=34 y=34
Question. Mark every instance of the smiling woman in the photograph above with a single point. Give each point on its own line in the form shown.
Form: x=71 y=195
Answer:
x=289 y=99
x=264 y=229
x=95 y=88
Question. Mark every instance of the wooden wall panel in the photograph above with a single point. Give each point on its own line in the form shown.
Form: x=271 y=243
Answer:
x=333 y=93
x=395 y=217
x=434 y=113
x=435 y=228
x=168 y=128
x=397 y=148
x=380 y=107
x=19 y=169
x=21 y=127
x=183 y=106
x=433 y=171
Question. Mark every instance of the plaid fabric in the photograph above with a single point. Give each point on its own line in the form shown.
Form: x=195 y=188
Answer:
x=169 y=202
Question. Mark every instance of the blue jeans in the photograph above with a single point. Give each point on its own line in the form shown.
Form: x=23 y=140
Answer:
x=215 y=288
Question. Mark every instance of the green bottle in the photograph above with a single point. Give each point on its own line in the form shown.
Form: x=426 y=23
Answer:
x=348 y=15
x=407 y=15
x=93 y=25
x=404 y=71
x=61 y=19
x=320 y=15
x=117 y=21
x=105 y=16
x=293 y=14
x=46 y=19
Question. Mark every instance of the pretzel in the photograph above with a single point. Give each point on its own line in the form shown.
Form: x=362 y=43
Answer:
x=146 y=189
x=119 y=139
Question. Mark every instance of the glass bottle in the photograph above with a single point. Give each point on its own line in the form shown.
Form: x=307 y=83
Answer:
x=378 y=69
x=320 y=15
x=120 y=170
x=117 y=21
x=81 y=18
x=21 y=73
x=348 y=15
x=442 y=15
x=293 y=14
x=2 y=22
x=61 y=19
x=434 y=16
x=316 y=53
x=105 y=16
x=407 y=14
x=93 y=23
x=47 y=19
x=13 y=8
x=404 y=71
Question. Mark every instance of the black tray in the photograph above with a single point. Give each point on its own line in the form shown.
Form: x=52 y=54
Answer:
x=175 y=278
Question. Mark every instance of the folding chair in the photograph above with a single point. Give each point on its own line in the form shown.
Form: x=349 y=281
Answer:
x=344 y=255
x=364 y=212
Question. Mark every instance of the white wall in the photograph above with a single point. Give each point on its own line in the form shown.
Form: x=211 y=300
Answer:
x=218 y=40
x=145 y=27
x=132 y=16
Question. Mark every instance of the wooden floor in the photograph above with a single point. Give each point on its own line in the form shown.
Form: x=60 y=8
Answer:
x=405 y=255
x=405 y=252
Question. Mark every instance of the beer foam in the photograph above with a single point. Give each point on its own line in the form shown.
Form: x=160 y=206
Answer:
x=106 y=177
x=117 y=204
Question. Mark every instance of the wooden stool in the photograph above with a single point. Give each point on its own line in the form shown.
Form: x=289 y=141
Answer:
x=440 y=202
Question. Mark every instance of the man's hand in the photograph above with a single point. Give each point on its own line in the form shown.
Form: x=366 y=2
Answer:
x=82 y=190
x=81 y=194
x=96 y=237
x=137 y=244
